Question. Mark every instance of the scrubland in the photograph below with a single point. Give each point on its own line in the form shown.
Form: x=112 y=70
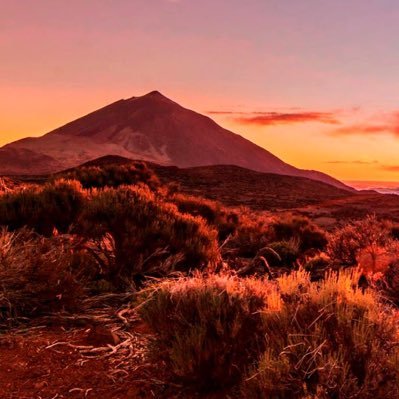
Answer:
x=235 y=303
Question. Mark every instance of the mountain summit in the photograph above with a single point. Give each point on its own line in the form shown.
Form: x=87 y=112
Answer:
x=150 y=127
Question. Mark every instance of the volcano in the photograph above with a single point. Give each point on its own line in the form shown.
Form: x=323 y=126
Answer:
x=150 y=127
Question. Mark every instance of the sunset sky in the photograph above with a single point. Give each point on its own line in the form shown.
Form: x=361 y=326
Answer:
x=316 y=82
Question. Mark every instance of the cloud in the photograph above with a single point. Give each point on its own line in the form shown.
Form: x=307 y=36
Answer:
x=390 y=168
x=279 y=118
x=224 y=112
x=388 y=124
x=362 y=129
x=357 y=162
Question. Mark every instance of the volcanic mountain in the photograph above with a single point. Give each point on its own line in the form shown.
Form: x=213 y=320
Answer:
x=151 y=127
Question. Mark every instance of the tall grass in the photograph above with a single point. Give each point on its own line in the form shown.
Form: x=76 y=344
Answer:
x=290 y=339
x=39 y=275
x=209 y=328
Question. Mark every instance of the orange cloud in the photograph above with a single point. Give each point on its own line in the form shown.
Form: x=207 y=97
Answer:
x=361 y=129
x=279 y=118
x=356 y=162
x=388 y=125
x=390 y=168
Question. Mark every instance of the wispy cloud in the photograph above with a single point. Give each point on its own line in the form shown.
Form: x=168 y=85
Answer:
x=355 y=162
x=279 y=118
x=361 y=129
x=386 y=124
x=390 y=168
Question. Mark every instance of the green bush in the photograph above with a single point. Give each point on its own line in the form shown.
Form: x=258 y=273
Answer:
x=209 y=327
x=54 y=206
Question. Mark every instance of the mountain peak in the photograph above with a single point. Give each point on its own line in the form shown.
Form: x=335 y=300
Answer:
x=154 y=93
x=152 y=96
x=151 y=127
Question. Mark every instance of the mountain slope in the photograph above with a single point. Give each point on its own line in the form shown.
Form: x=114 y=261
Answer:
x=151 y=127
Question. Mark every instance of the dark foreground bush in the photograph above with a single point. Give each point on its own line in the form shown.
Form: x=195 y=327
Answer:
x=54 y=206
x=38 y=275
x=329 y=340
x=291 y=339
x=147 y=235
x=209 y=327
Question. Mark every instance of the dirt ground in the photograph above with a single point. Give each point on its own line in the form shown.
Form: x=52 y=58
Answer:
x=59 y=363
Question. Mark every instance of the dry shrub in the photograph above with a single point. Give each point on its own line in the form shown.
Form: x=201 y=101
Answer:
x=310 y=236
x=368 y=235
x=7 y=185
x=54 y=206
x=146 y=235
x=287 y=339
x=39 y=275
x=287 y=251
x=223 y=219
x=328 y=340
x=388 y=283
x=318 y=263
x=251 y=235
x=113 y=175
x=209 y=327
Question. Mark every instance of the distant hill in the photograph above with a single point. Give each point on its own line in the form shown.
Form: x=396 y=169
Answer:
x=151 y=127
x=236 y=186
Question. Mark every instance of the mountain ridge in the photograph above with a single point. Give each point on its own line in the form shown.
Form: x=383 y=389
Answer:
x=151 y=127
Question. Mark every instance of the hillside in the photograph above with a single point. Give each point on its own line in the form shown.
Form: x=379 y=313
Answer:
x=151 y=127
x=236 y=186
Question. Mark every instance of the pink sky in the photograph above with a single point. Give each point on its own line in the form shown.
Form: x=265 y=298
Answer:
x=315 y=82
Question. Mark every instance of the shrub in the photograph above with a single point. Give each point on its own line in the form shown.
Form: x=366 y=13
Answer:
x=113 y=175
x=290 y=339
x=310 y=236
x=288 y=252
x=225 y=221
x=146 y=234
x=209 y=327
x=394 y=230
x=328 y=340
x=38 y=275
x=54 y=206
x=388 y=284
x=345 y=244
x=251 y=235
x=317 y=263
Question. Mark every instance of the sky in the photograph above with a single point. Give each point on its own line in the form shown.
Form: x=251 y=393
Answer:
x=313 y=81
